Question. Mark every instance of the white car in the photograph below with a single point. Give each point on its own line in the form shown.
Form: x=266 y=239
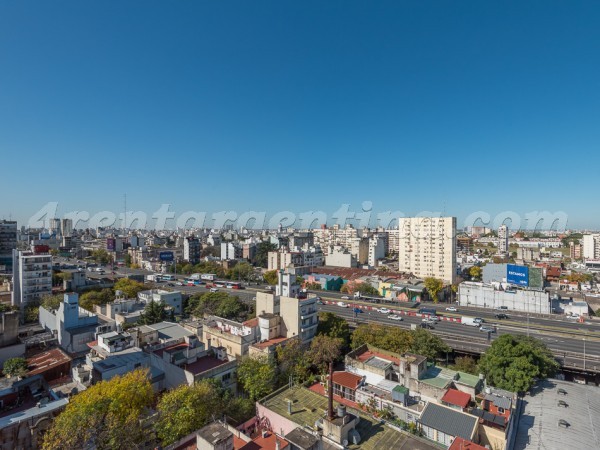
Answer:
x=573 y=317
x=214 y=290
x=179 y=283
x=345 y=297
x=342 y=305
x=384 y=310
x=434 y=318
x=395 y=317
x=452 y=309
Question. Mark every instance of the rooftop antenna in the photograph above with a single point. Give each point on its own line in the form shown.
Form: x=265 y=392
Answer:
x=125 y=214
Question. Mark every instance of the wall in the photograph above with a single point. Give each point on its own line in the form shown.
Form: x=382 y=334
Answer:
x=9 y=328
x=485 y=296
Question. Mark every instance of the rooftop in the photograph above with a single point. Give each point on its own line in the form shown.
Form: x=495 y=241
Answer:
x=203 y=364
x=167 y=330
x=463 y=444
x=449 y=421
x=458 y=398
x=268 y=343
x=308 y=407
x=347 y=379
x=46 y=360
x=267 y=442
x=214 y=433
x=538 y=424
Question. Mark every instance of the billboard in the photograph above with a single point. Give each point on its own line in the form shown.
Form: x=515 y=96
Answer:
x=37 y=249
x=518 y=275
x=111 y=244
x=166 y=256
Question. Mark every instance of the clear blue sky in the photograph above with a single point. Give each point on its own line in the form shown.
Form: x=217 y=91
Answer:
x=281 y=105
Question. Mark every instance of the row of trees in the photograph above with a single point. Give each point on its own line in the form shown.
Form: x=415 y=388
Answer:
x=219 y=304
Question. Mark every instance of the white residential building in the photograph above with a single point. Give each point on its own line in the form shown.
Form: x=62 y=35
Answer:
x=32 y=277
x=503 y=240
x=591 y=246
x=428 y=247
x=191 y=249
x=376 y=249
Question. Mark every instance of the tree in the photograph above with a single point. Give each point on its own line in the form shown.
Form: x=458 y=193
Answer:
x=393 y=339
x=514 y=362
x=262 y=253
x=241 y=271
x=313 y=286
x=186 y=409
x=51 y=302
x=427 y=344
x=256 y=376
x=105 y=416
x=293 y=361
x=271 y=277
x=154 y=312
x=101 y=256
x=475 y=273
x=129 y=287
x=334 y=326
x=15 y=367
x=466 y=364
x=324 y=350
x=241 y=409
x=128 y=260
x=210 y=250
x=219 y=304
x=358 y=286
x=31 y=313
x=91 y=298
x=434 y=287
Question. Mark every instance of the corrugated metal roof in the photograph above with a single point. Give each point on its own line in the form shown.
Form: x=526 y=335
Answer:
x=499 y=401
x=449 y=421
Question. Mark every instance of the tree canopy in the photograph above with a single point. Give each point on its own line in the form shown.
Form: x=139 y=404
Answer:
x=323 y=350
x=475 y=273
x=219 y=304
x=101 y=256
x=393 y=339
x=427 y=344
x=262 y=253
x=241 y=271
x=105 y=416
x=155 y=312
x=513 y=362
x=88 y=299
x=256 y=376
x=15 y=367
x=271 y=277
x=334 y=326
x=51 y=302
x=130 y=288
x=434 y=287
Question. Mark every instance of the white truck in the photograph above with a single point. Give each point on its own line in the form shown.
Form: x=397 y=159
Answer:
x=208 y=277
x=472 y=321
x=155 y=277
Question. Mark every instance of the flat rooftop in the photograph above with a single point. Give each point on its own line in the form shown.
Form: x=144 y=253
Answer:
x=538 y=424
x=46 y=360
x=308 y=407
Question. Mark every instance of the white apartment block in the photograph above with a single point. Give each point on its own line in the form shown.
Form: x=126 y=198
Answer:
x=591 y=247
x=376 y=249
x=428 y=247
x=32 y=277
x=502 y=240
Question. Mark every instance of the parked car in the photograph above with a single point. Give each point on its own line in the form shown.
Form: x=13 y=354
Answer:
x=345 y=297
x=452 y=309
x=501 y=316
x=487 y=329
x=395 y=317
x=384 y=310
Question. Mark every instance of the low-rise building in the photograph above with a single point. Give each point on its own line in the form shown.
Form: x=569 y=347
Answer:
x=494 y=296
x=443 y=424
x=172 y=299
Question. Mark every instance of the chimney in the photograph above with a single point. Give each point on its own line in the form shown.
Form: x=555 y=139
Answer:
x=330 y=393
x=277 y=445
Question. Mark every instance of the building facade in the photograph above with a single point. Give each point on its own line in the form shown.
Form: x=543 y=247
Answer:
x=32 y=277
x=8 y=242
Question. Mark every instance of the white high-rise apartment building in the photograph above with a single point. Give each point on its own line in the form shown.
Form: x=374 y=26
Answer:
x=428 y=247
x=66 y=227
x=591 y=247
x=32 y=277
x=502 y=240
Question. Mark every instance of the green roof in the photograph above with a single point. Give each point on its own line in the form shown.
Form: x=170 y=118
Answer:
x=468 y=379
x=401 y=389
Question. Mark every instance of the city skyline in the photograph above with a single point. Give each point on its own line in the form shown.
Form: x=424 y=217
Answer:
x=301 y=107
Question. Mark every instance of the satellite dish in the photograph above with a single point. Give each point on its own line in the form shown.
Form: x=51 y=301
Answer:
x=345 y=442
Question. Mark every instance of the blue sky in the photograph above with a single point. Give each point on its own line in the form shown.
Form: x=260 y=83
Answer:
x=280 y=105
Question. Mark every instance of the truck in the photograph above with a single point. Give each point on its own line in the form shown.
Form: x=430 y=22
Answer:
x=208 y=277
x=471 y=321
x=154 y=277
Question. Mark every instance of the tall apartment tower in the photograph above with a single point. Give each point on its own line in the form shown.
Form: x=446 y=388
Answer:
x=8 y=242
x=503 y=240
x=32 y=277
x=428 y=247
x=191 y=249
x=66 y=227
x=591 y=247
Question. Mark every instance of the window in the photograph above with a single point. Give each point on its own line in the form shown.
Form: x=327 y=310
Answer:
x=501 y=410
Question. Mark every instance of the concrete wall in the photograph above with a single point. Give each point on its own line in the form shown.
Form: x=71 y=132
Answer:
x=485 y=296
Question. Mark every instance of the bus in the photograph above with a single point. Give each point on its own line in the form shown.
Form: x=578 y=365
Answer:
x=166 y=277
x=234 y=285
x=219 y=284
x=430 y=311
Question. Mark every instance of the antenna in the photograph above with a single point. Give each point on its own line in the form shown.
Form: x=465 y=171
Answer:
x=124 y=213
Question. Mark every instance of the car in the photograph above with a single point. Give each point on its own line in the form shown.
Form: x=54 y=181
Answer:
x=384 y=310
x=345 y=297
x=573 y=317
x=171 y=284
x=452 y=309
x=214 y=290
x=319 y=302
x=486 y=329
x=426 y=325
x=358 y=311
x=428 y=320
x=395 y=317
x=434 y=318
x=501 y=316
x=342 y=305
x=478 y=320
x=179 y=283
x=502 y=308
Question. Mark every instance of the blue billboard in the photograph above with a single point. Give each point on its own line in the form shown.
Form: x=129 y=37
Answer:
x=518 y=275
x=166 y=256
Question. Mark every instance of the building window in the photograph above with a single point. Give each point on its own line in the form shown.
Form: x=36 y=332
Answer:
x=501 y=410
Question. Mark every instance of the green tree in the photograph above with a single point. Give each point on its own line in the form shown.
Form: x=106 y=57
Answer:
x=366 y=289
x=427 y=344
x=475 y=273
x=292 y=360
x=101 y=256
x=128 y=260
x=241 y=409
x=15 y=367
x=466 y=364
x=51 y=302
x=154 y=312
x=219 y=304
x=105 y=416
x=210 y=250
x=334 y=326
x=271 y=277
x=262 y=253
x=31 y=313
x=256 y=376
x=91 y=298
x=514 y=362
x=129 y=287
x=187 y=408
x=393 y=339
x=241 y=271
x=323 y=350
x=434 y=287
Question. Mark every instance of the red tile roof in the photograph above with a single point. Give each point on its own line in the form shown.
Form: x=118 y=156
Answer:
x=346 y=379
x=266 y=443
x=203 y=364
x=270 y=342
x=462 y=444
x=46 y=360
x=251 y=323
x=458 y=398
